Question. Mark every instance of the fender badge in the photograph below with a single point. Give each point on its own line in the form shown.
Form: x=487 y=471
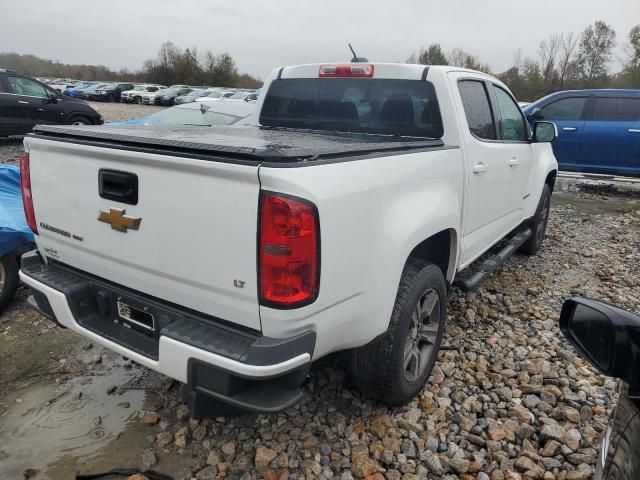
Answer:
x=118 y=220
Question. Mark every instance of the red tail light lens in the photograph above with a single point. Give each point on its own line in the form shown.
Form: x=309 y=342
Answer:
x=27 y=197
x=289 y=251
x=351 y=70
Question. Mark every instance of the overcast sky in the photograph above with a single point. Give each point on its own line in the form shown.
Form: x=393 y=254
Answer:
x=261 y=35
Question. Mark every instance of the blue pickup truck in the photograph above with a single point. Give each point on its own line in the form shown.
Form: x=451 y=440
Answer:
x=598 y=130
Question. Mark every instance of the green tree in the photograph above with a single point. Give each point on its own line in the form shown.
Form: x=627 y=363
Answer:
x=224 y=72
x=594 y=53
x=432 y=55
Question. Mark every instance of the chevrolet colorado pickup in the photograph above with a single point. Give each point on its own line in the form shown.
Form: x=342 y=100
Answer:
x=230 y=258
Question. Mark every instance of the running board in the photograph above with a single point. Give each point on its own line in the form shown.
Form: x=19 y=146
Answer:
x=491 y=264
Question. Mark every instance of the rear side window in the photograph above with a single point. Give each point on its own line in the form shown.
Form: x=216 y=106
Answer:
x=512 y=124
x=477 y=109
x=612 y=109
x=363 y=105
x=564 y=109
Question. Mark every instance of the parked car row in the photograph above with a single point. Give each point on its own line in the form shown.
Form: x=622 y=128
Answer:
x=180 y=94
x=150 y=94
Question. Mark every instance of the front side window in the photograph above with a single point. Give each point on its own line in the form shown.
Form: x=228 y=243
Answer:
x=362 y=105
x=24 y=86
x=564 y=109
x=616 y=109
x=477 y=108
x=512 y=123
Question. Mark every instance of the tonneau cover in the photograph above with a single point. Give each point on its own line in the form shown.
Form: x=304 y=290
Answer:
x=243 y=143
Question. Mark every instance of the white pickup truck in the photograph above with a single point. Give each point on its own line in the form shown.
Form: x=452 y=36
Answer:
x=230 y=258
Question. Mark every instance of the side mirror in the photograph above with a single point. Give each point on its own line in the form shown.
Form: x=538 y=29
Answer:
x=544 y=131
x=53 y=98
x=608 y=336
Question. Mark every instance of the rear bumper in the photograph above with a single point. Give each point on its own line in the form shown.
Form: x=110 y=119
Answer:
x=216 y=360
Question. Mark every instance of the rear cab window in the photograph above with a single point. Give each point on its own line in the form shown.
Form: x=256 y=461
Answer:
x=406 y=108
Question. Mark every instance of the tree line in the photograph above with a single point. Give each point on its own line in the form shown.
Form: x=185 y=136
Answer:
x=172 y=65
x=564 y=61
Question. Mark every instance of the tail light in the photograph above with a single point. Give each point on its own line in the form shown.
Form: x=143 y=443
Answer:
x=351 y=70
x=27 y=196
x=289 y=251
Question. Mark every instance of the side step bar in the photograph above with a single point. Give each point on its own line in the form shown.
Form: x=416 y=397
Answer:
x=491 y=264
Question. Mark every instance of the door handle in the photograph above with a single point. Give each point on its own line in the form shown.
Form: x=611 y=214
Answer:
x=514 y=162
x=569 y=129
x=634 y=130
x=480 y=167
x=23 y=102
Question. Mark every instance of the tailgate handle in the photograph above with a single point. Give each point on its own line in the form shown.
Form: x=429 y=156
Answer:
x=119 y=186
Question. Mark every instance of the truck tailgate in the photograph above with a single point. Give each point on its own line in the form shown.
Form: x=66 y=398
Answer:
x=196 y=241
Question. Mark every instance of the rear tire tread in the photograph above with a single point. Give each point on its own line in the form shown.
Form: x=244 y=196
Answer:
x=375 y=365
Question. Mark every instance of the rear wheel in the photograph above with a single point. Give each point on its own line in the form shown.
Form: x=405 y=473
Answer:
x=394 y=367
x=137 y=100
x=538 y=224
x=8 y=279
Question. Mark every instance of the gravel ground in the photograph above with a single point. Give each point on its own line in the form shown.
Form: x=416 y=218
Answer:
x=509 y=399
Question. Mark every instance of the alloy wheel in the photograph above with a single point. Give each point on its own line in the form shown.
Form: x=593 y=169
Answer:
x=421 y=338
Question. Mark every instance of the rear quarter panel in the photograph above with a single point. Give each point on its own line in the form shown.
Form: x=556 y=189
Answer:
x=373 y=212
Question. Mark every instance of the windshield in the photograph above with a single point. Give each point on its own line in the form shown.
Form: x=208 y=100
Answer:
x=214 y=95
x=170 y=91
x=139 y=88
x=238 y=96
x=377 y=106
x=190 y=116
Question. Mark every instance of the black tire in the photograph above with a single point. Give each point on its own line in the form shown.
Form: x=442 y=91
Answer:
x=538 y=224
x=379 y=368
x=111 y=98
x=137 y=100
x=8 y=279
x=622 y=460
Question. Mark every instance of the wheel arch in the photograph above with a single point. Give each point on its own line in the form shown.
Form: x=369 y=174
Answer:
x=80 y=116
x=441 y=249
x=551 y=179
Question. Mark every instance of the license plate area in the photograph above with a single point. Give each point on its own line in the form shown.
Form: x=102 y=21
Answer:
x=135 y=316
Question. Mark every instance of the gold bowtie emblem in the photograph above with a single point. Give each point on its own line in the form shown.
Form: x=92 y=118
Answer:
x=118 y=220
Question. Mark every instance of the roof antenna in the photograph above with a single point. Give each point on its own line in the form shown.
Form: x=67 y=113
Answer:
x=355 y=58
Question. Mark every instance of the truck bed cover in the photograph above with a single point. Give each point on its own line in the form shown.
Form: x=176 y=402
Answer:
x=237 y=144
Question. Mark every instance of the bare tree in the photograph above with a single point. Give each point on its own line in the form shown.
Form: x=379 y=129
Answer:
x=548 y=53
x=457 y=57
x=568 y=44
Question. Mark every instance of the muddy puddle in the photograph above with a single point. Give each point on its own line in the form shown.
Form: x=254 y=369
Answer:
x=48 y=423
